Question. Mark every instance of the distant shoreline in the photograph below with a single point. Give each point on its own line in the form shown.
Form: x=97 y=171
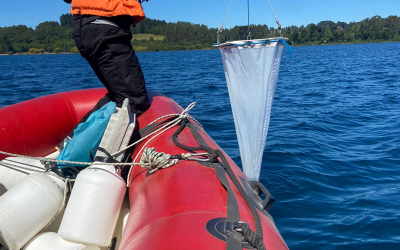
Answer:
x=46 y=53
x=292 y=45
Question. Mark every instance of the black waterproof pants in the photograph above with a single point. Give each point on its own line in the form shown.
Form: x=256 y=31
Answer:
x=108 y=50
x=110 y=54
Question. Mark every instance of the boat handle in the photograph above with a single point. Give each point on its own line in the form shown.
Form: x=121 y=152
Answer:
x=260 y=190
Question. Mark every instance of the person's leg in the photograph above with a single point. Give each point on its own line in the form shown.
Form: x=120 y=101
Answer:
x=112 y=58
x=85 y=54
x=115 y=63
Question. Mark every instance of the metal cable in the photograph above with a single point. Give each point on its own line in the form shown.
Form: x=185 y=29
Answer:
x=248 y=13
x=248 y=20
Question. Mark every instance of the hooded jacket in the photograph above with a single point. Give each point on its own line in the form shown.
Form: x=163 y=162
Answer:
x=108 y=8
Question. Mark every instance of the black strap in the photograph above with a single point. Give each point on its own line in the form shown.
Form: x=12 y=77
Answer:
x=108 y=159
x=218 y=153
x=148 y=128
x=177 y=143
x=234 y=239
x=250 y=236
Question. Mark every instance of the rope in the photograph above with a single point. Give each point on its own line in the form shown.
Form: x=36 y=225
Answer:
x=146 y=161
x=276 y=19
x=154 y=160
x=226 y=15
x=172 y=123
x=43 y=159
x=31 y=169
x=167 y=126
x=219 y=32
x=67 y=188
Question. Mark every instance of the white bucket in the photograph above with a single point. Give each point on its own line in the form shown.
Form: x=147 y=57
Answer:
x=53 y=241
x=94 y=206
x=28 y=207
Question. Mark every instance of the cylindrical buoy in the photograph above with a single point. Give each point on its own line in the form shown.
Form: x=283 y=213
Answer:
x=28 y=207
x=53 y=241
x=10 y=175
x=93 y=208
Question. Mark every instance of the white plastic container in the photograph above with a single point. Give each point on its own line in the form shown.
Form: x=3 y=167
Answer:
x=53 y=241
x=93 y=208
x=28 y=207
x=10 y=176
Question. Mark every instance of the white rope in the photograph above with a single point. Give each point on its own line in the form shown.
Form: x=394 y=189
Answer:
x=154 y=160
x=168 y=126
x=11 y=165
x=176 y=121
x=157 y=132
x=223 y=22
x=276 y=19
x=150 y=159
x=62 y=161
x=66 y=188
x=183 y=115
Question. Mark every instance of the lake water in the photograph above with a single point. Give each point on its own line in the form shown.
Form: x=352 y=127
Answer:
x=332 y=158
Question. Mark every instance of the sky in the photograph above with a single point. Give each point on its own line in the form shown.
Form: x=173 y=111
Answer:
x=212 y=12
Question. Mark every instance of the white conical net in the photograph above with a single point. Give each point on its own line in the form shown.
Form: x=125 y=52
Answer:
x=251 y=71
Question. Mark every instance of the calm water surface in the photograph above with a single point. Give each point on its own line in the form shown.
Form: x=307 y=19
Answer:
x=332 y=158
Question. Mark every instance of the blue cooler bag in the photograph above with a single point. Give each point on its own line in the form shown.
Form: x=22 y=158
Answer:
x=87 y=136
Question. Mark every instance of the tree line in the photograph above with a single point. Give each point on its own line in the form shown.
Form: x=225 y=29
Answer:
x=57 y=37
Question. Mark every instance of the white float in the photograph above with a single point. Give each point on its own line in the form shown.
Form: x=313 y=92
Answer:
x=11 y=172
x=53 y=241
x=94 y=206
x=28 y=207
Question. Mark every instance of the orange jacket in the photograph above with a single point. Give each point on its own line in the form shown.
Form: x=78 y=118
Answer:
x=108 y=8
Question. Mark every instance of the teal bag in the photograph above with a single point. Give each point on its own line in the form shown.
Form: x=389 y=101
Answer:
x=86 y=137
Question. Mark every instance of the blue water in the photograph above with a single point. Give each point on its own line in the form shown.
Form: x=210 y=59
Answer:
x=332 y=158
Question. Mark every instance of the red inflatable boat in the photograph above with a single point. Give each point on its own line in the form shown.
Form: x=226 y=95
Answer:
x=196 y=204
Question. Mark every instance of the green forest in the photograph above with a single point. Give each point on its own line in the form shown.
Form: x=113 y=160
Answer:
x=157 y=35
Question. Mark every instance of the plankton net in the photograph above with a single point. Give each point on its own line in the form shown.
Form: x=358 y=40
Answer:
x=251 y=70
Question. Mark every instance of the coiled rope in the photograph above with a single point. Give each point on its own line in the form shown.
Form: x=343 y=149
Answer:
x=154 y=160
